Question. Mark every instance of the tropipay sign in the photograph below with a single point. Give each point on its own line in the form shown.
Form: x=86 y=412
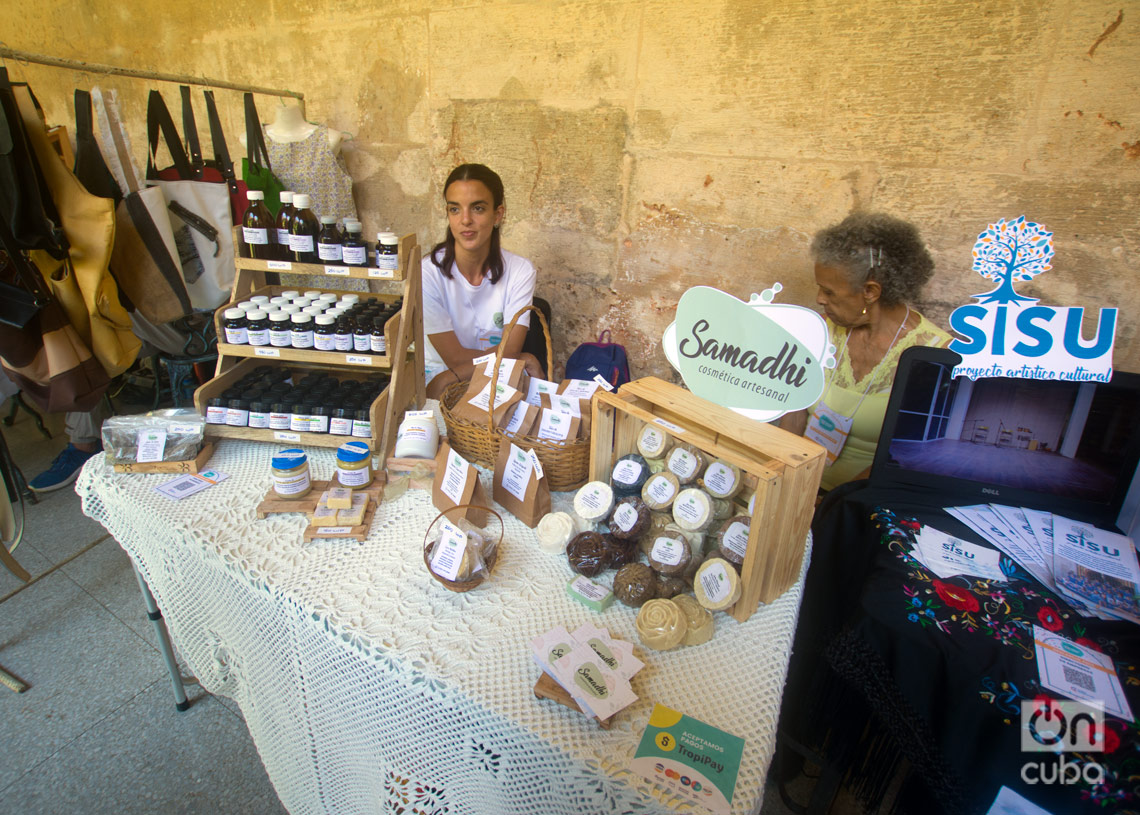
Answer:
x=758 y=358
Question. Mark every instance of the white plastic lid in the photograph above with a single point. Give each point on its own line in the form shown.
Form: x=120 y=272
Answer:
x=325 y=319
x=246 y=305
x=328 y=219
x=256 y=314
x=290 y=309
x=301 y=318
x=301 y=200
x=387 y=238
x=286 y=196
x=260 y=298
x=289 y=295
x=315 y=311
x=353 y=226
x=234 y=313
x=327 y=297
x=254 y=195
x=350 y=298
x=280 y=301
x=279 y=317
x=313 y=294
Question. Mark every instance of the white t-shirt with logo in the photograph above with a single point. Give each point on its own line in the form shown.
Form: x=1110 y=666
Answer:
x=477 y=314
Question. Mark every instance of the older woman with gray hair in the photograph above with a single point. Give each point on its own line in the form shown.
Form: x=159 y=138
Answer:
x=869 y=269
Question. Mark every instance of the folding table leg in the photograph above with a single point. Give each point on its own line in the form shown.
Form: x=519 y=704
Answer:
x=181 y=703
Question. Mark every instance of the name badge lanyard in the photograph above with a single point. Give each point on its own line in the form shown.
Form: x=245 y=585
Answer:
x=829 y=428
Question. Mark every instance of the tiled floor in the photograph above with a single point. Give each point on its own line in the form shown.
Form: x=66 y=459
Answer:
x=97 y=731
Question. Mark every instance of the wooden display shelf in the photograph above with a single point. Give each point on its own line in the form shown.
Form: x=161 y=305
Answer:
x=783 y=470
x=404 y=361
x=407 y=251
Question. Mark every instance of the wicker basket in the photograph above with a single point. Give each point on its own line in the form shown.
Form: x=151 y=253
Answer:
x=565 y=465
x=489 y=561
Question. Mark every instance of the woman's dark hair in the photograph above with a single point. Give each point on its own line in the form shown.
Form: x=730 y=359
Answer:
x=493 y=266
x=873 y=246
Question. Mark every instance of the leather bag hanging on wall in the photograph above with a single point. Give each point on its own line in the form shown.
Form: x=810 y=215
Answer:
x=144 y=257
x=200 y=213
x=81 y=282
x=256 y=170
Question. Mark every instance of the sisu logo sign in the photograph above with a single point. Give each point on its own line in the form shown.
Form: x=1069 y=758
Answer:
x=1008 y=334
x=758 y=358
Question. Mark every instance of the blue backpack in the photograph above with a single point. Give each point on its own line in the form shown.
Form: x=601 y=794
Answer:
x=602 y=357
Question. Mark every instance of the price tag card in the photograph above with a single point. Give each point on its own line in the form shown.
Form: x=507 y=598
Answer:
x=339 y=271
x=601 y=380
x=151 y=443
x=689 y=758
x=279 y=436
x=383 y=274
x=262 y=351
x=190 y=484
x=279 y=265
x=352 y=359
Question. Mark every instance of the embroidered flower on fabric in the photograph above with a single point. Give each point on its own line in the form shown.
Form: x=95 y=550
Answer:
x=955 y=596
x=1049 y=618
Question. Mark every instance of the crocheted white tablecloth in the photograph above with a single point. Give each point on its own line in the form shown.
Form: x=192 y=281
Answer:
x=369 y=687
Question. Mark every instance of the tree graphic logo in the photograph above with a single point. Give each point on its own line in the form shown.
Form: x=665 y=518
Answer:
x=1012 y=250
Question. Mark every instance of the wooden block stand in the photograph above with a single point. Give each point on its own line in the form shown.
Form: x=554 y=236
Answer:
x=783 y=469
x=404 y=366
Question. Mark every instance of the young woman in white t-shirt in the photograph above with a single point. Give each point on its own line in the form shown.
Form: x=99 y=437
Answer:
x=472 y=288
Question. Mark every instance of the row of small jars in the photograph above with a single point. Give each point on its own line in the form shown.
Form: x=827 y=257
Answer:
x=291 y=320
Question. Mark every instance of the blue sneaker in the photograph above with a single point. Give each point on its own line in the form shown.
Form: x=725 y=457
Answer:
x=62 y=471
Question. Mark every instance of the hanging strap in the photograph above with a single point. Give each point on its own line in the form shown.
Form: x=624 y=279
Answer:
x=90 y=166
x=256 y=152
x=218 y=137
x=120 y=157
x=158 y=122
x=190 y=131
x=197 y=223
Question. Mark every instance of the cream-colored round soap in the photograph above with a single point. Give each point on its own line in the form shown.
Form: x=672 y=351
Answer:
x=701 y=622
x=661 y=625
x=693 y=509
x=717 y=585
x=653 y=442
x=555 y=531
x=722 y=480
x=660 y=490
x=594 y=502
x=656 y=465
x=686 y=463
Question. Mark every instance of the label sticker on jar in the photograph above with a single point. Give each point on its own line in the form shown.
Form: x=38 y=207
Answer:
x=627 y=472
x=255 y=235
x=668 y=551
x=736 y=539
x=719 y=478
x=291 y=485
x=353 y=478
x=625 y=517
x=660 y=490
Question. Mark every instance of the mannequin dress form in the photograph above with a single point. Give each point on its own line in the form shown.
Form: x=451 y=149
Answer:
x=306 y=158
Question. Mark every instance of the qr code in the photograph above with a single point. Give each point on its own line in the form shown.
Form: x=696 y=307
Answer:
x=1079 y=678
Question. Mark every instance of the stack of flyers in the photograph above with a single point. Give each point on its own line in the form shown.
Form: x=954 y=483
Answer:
x=946 y=556
x=591 y=666
x=1093 y=569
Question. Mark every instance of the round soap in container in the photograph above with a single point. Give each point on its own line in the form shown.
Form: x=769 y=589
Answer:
x=693 y=510
x=629 y=475
x=685 y=462
x=653 y=442
x=593 y=502
x=635 y=584
x=587 y=554
x=630 y=519
x=354 y=465
x=659 y=490
x=290 y=469
x=722 y=480
x=717 y=585
x=732 y=540
x=670 y=555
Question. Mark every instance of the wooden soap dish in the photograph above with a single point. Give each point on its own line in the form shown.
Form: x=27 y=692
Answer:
x=547 y=688
x=273 y=503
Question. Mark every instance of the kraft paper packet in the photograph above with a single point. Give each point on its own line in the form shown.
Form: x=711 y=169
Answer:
x=556 y=427
x=457 y=483
x=511 y=371
x=536 y=387
x=578 y=388
x=571 y=406
x=523 y=420
x=520 y=486
x=474 y=404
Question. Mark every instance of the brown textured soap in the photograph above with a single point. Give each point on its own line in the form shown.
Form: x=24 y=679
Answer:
x=619 y=552
x=670 y=586
x=670 y=555
x=630 y=519
x=634 y=584
x=587 y=554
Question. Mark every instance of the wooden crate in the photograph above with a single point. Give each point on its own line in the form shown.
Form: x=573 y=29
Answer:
x=783 y=469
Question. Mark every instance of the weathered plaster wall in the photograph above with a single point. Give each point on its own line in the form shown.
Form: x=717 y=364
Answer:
x=649 y=145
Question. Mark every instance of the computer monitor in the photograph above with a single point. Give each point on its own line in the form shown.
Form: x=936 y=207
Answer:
x=1064 y=447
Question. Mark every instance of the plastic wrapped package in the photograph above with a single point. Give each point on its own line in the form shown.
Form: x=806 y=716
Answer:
x=185 y=432
x=635 y=584
x=661 y=625
x=588 y=554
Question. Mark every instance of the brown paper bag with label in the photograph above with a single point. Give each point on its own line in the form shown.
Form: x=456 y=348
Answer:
x=522 y=420
x=519 y=485
x=457 y=483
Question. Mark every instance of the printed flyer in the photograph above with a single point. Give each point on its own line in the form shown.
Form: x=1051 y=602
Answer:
x=690 y=758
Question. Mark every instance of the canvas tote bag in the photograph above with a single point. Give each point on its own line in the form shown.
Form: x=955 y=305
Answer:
x=200 y=213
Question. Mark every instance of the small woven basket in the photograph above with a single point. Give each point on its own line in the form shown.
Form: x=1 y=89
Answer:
x=488 y=561
x=566 y=465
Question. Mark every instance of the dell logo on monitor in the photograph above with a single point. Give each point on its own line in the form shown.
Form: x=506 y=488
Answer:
x=991 y=491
